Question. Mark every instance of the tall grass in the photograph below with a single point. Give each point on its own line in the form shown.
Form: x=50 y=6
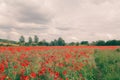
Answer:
x=108 y=64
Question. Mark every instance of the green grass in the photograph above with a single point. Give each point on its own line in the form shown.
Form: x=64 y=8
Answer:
x=107 y=64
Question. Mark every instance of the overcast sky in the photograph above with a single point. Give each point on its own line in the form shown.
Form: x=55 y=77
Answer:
x=73 y=20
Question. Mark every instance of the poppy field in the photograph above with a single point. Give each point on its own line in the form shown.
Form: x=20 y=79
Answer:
x=60 y=63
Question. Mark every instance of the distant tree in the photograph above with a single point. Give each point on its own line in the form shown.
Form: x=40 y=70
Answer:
x=21 y=40
x=92 y=43
x=84 y=43
x=108 y=43
x=30 y=40
x=43 y=43
x=72 y=44
x=118 y=42
x=100 y=43
x=77 y=43
x=55 y=42
x=36 y=39
x=52 y=43
x=61 y=42
x=113 y=43
x=26 y=44
x=40 y=43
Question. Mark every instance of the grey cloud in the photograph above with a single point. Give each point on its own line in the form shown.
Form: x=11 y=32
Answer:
x=5 y=27
x=103 y=1
x=29 y=28
x=63 y=28
x=74 y=20
x=32 y=16
x=29 y=12
x=40 y=28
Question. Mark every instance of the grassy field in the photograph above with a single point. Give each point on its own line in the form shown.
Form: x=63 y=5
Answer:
x=108 y=64
x=60 y=63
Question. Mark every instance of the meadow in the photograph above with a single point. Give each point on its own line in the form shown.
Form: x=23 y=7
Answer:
x=60 y=63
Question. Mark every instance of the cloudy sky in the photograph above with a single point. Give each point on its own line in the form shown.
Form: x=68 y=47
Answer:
x=73 y=20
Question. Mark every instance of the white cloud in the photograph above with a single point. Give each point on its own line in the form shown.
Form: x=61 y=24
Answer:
x=74 y=20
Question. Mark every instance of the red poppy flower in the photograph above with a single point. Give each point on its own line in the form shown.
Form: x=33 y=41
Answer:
x=25 y=63
x=2 y=68
x=33 y=75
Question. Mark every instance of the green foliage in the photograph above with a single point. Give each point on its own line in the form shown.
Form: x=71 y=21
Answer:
x=84 y=43
x=72 y=44
x=36 y=39
x=108 y=65
x=5 y=42
x=54 y=43
x=22 y=40
x=57 y=42
x=100 y=43
x=61 y=42
x=43 y=43
x=30 y=40
x=8 y=41
x=113 y=42
x=106 y=43
x=118 y=49
x=77 y=43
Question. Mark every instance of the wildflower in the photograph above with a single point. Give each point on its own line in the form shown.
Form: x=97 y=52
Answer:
x=2 y=77
x=23 y=77
x=15 y=67
x=60 y=64
x=42 y=71
x=56 y=74
x=2 y=68
x=66 y=79
x=67 y=56
x=25 y=63
x=80 y=75
x=64 y=72
x=33 y=75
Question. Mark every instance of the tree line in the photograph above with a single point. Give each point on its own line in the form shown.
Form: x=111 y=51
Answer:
x=36 y=42
x=61 y=42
